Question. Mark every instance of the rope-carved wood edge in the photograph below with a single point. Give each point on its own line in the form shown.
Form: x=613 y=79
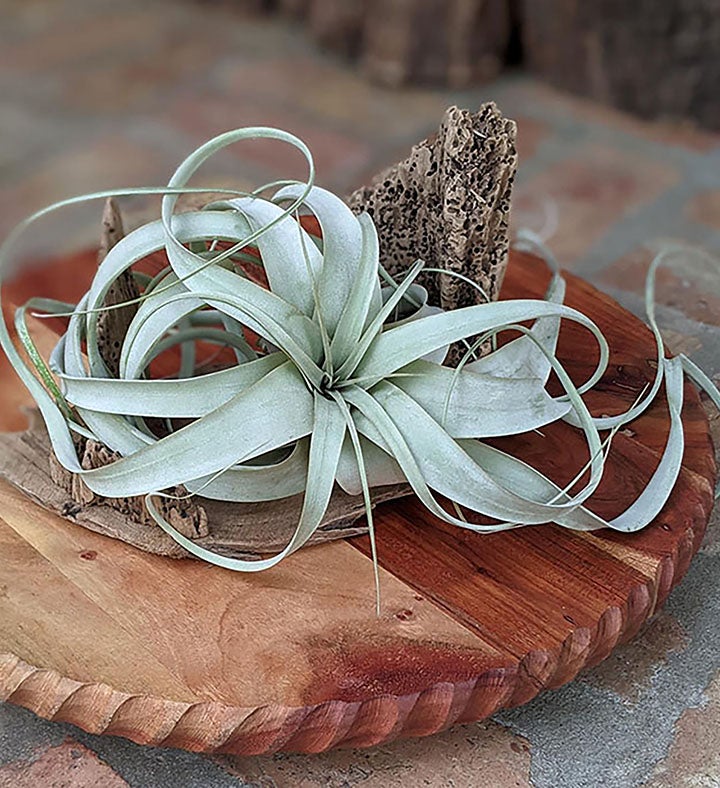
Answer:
x=214 y=727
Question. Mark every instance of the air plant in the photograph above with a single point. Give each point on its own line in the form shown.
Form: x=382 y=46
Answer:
x=346 y=384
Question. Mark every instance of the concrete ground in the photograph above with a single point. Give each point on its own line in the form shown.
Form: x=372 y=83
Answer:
x=97 y=94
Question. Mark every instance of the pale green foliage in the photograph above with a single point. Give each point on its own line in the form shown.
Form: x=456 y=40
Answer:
x=350 y=387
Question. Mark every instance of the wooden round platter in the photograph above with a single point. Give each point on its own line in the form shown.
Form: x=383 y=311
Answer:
x=179 y=653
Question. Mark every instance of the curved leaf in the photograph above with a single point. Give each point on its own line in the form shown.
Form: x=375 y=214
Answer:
x=208 y=445
x=480 y=406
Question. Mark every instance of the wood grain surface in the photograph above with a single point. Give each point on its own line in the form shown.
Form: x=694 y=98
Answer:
x=179 y=653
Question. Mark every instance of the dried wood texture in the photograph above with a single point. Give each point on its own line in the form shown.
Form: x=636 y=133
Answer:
x=448 y=204
x=113 y=323
x=51 y=482
x=651 y=58
x=181 y=654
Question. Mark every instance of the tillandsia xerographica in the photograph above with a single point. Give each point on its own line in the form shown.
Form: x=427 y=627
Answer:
x=345 y=385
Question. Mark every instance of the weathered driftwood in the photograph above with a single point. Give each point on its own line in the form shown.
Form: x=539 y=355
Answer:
x=184 y=514
x=448 y=203
x=442 y=42
x=113 y=324
x=238 y=530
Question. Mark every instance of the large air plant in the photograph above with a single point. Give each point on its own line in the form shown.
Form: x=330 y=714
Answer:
x=346 y=383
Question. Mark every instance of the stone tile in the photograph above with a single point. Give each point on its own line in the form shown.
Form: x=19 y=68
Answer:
x=693 y=760
x=671 y=133
x=705 y=208
x=318 y=87
x=23 y=133
x=486 y=754
x=531 y=132
x=69 y=765
x=629 y=668
x=686 y=282
x=338 y=156
x=143 y=82
x=592 y=189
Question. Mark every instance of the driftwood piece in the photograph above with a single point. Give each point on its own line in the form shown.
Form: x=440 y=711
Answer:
x=448 y=204
x=237 y=530
x=113 y=324
x=184 y=514
x=443 y=42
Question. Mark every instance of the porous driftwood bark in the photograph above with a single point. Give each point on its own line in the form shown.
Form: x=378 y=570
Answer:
x=112 y=325
x=448 y=204
x=648 y=57
x=184 y=514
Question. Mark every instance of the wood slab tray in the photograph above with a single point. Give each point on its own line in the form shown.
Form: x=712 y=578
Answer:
x=182 y=654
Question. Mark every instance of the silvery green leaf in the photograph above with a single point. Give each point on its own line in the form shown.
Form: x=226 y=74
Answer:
x=364 y=301
x=156 y=315
x=450 y=471
x=325 y=445
x=479 y=405
x=354 y=389
x=283 y=248
x=522 y=355
x=258 y=482
x=652 y=499
x=207 y=445
x=341 y=247
x=399 y=346
x=116 y=432
x=186 y=398
x=415 y=307
x=381 y=468
x=376 y=323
